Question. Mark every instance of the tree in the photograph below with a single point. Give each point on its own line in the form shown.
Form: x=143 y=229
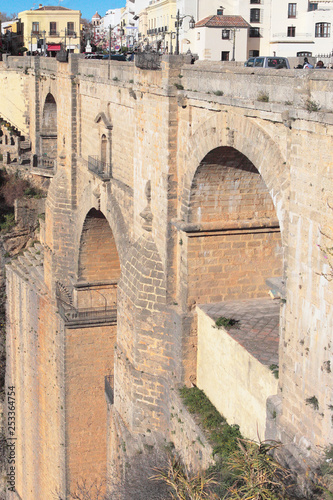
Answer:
x=7 y=17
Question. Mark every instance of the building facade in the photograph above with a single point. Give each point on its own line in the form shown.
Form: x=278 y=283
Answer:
x=222 y=38
x=276 y=28
x=47 y=29
x=161 y=25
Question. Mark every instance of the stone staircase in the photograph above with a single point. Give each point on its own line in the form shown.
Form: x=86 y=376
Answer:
x=25 y=152
x=29 y=265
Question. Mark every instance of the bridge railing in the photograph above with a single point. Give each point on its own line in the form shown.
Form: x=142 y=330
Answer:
x=99 y=167
x=83 y=318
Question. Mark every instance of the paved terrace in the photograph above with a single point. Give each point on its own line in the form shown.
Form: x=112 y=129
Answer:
x=258 y=327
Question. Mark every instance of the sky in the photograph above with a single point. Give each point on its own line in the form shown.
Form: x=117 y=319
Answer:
x=87 y=7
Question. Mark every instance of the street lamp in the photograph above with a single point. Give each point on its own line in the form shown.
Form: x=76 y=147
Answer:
x=179 y=20
x=225 y=36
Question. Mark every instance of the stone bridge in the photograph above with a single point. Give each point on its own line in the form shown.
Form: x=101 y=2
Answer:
x=176 y=195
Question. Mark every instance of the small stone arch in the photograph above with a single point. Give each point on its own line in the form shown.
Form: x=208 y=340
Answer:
x=104 y=143
x=49 y=129
x=104 y=161
x=49 y=118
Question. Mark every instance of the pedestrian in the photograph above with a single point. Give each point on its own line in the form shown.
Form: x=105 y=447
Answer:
x=306 y=63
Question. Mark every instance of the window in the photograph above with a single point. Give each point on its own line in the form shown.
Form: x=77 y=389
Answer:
x=225 y=35
x=35 y=28
x=312 y=6
x=53 y=28
x=70 y=29
x=254 y=15
x=259 y=62
x=254 y=33
x=323 y=30
x=198 y=35
x=291 y=31
x=304 y=54
x=292 y=10
x=255 y=1
x=254 y=53
x=225 y=56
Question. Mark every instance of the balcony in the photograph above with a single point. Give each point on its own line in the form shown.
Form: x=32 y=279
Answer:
x=99 y=167
x=54 y=33
x=43 y=165
x=86 y=317
x=108 y=384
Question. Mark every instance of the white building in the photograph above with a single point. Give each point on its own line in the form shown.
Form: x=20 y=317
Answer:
x=277 y=27
x=301 y=28
x=112 y=18
x=222 y=38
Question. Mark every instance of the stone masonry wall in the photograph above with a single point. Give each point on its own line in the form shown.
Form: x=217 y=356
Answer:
x=35 y=369
x=232 y=266
x=86 y=408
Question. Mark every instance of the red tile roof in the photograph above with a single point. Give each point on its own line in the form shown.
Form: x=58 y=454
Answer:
x=222 y=22
x=49 y=7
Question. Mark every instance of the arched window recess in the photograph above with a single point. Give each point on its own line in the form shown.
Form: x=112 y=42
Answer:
x=101 y=164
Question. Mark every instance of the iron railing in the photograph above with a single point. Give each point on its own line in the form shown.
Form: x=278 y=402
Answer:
x=108 y=384
x=86 y=317
x=99 y=167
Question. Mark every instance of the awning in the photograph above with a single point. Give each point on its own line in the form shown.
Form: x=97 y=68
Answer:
x=55 y=47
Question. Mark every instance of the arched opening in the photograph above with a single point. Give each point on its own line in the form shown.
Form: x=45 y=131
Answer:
x=49 y=114
x=103 y=149
x=90 y=343
x=239 y=239
x=234 y=268
x=48 y=134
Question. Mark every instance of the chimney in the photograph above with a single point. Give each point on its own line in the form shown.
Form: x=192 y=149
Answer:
x=40 y=5
x=220 y=11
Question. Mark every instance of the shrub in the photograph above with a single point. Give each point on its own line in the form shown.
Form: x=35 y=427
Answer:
x=223 y=322
x=263 y=97
x=312 y=105
x=256 y=474
x=222 y=436
x=7 y=223
x=183 y=485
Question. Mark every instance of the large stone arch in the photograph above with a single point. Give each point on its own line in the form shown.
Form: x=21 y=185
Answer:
x=250 y=139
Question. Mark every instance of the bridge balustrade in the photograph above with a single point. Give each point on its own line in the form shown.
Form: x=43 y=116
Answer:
x=86 y=317
x=99 y=167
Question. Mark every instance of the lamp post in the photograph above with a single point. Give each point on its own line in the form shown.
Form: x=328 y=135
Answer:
x=121 y=33
x=225 y=34
x=179 y=20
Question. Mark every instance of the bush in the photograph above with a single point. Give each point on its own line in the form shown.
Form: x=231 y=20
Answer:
x=263 y=97
x=7 y=223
